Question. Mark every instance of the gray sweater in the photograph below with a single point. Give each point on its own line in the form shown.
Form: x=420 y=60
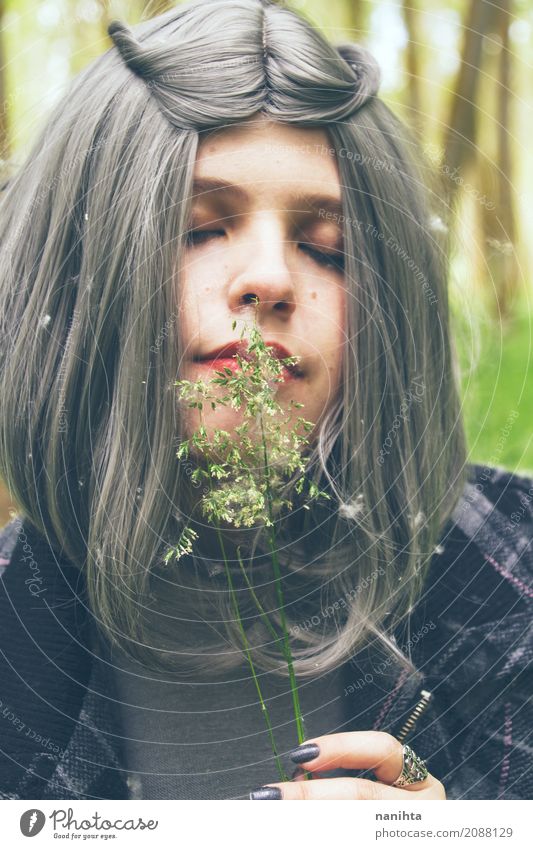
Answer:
x=208 y=739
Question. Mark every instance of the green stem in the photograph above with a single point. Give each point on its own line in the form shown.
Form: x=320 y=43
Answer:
x=260 y=607
x=282 y=773
x=277 y=574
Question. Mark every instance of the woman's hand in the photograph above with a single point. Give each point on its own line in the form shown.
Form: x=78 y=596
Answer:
x=375 y=750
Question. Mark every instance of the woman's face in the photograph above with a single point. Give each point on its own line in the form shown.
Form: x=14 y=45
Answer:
x=263 y=225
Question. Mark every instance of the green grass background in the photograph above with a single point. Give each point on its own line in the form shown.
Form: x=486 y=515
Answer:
x=496 y=379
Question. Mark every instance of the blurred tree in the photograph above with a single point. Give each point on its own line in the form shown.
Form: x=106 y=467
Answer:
x=340 y=20
x=498 y=220
x=105 y=16
x=4 y=113
x=412 y=62
x=462 y=125
x=81 y=36
x=487 y=167
x=357 y=18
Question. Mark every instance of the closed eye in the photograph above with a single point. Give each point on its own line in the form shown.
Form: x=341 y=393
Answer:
x=334 y=259
x=198 y=237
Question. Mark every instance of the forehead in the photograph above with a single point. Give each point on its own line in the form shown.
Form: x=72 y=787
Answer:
x=264 y=154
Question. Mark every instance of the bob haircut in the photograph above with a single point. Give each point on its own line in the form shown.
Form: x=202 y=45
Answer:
x=92 y=232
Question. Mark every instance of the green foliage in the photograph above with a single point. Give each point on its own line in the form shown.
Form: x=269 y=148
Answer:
x=184 y=546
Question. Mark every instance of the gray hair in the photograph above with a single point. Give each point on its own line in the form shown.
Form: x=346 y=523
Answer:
x=91 y=235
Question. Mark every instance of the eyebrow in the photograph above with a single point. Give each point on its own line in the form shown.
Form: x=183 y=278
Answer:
x=316 y=201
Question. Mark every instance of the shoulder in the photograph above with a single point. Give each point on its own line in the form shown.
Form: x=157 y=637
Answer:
x=478 y=594
x=488 y=540
x=490 y=536
x=496 y=497
x=478 y=591
x=474 y=639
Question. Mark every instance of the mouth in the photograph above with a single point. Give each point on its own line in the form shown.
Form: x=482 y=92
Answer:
x=226 y=357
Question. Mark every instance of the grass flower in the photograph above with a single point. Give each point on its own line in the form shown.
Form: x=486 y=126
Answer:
x=244 y=484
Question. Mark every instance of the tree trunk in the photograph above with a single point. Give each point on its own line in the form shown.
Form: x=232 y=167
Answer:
x=414 y=102
x=4 y=115
x=105 y=17
x=357 y=19
x=499 y=222
x=461 y=133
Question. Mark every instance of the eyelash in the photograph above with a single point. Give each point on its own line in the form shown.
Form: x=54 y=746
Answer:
x=330 y=260
x=335 y=260
x=195 y=237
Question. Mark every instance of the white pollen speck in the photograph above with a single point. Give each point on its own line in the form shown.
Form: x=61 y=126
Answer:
x=135 y=785
x=437 y=224
x=353 y=509
x=439 y=549
x=45 y=320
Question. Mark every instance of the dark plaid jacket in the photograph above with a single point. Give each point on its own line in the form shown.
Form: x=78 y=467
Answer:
x=470 y=635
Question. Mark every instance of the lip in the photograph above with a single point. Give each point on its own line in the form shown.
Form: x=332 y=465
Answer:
x=225 y=356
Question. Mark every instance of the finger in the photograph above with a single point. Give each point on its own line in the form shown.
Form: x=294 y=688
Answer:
x=375 y=750
x=344 y=788
x=300 y=774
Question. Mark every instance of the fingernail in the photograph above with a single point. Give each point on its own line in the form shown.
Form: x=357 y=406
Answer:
x=266 y=793
x=305 y=752
x=298 y=771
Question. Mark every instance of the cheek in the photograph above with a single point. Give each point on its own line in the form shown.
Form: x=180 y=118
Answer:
x=333 y=336
x=333 y=367
x=340 y=343
x=197 y=298
x=183 y=291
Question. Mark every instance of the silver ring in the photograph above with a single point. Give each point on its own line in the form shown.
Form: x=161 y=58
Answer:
x=413 y=769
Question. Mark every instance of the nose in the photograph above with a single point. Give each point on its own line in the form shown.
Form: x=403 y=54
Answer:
x=264 y=275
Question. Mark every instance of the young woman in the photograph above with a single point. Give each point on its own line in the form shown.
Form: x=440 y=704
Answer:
x=221 y=163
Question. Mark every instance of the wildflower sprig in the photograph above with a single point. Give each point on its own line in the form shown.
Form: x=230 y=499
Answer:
x=243 y=477
x=244 y=482
x=184 y=545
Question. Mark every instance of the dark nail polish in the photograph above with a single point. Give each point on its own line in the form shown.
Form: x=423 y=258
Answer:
x=266 y=793
x=305 y=752
x=298 y=771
